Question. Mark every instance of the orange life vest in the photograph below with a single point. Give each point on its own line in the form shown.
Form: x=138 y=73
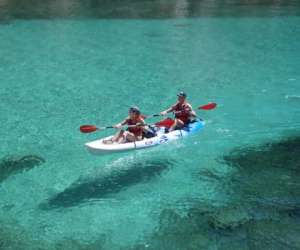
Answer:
x=183 y=112
x=137 y=131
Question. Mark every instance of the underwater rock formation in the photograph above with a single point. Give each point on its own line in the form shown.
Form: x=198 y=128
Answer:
x=13 y=165
x=97 y=187
x=216 y=229
x=268 y=175
x=282 y=154
x=14 y=236
x=261 y=210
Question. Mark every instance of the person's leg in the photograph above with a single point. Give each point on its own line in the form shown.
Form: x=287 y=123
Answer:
x=115 y=138
x=118 y=135
x=148 y=132
x=178 y=124
x=122 y=137
x=130 y=137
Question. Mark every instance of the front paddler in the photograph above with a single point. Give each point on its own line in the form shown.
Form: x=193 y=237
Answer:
x=135 y=130
x=183 y=112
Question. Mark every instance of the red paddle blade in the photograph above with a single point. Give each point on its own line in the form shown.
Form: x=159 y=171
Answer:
x=88 y=128
x=208 y=106
x=165 y=123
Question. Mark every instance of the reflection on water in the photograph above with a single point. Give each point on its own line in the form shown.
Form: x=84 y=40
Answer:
x=36 y=9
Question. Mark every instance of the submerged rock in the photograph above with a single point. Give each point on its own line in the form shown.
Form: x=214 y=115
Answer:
x=222 y=228
x=14 y=237
x=268 y=175
x=177 y=231
x=273 y=234
x=266 y=182
x=281 y=154
x=13 y=165
x=260 y=210
x=229 y=218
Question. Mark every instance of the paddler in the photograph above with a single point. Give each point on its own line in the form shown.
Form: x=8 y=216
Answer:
x=135 y=130
x=183 y=112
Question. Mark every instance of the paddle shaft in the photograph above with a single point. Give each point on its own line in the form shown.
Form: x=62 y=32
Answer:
x=93 y=128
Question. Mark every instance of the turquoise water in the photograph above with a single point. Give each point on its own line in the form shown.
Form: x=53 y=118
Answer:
x=57 y=74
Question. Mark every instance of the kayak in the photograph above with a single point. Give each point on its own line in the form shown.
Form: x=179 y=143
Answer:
x=161 y=137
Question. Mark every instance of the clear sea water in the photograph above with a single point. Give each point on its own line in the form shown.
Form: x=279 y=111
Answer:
x=68 y=63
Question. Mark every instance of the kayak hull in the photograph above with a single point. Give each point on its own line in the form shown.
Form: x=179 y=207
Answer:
x=98 y=147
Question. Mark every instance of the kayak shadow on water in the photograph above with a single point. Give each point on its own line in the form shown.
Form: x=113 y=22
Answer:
x=104 y=185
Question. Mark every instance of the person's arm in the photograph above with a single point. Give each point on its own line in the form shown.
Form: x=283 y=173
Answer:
x=192 y=112
x=144 y=126
x=172 y=108
x=141 y=122
x=188 y=110
x=121 y=124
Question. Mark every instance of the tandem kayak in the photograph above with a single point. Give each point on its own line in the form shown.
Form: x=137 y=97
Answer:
x=98 y=147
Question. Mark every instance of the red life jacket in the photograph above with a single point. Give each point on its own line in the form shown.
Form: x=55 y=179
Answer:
x=137 y=131
x=183 y=112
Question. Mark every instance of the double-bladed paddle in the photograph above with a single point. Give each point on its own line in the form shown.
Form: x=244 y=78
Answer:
x=93 y=128
x=208 y=106
x=164 y=123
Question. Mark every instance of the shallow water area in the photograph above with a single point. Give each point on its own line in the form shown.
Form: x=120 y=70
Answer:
x=234 y=185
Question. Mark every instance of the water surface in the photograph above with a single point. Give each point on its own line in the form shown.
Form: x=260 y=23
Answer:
x=67 y=63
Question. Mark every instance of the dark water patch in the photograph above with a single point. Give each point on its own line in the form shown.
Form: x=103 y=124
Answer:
x=210 y=174
x=13 y=236
x=182 y=25
x=282 y=154
x=181 y=232
x=268 y=175
x=7 y=207
x=5 y=21
x=13 y=165
x=103 y=186
x=71 y=244
x=260 y=209
x=137 y=9
x=293 y=213
x=153 y=34
x=221 y=228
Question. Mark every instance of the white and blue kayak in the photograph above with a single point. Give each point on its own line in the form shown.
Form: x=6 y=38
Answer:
x=98 y=147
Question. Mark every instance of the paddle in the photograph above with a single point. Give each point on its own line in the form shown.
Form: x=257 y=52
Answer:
x=208 y=106
x=93 y=128
x=168 y=122
x=164 y=123
x=150 y=116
